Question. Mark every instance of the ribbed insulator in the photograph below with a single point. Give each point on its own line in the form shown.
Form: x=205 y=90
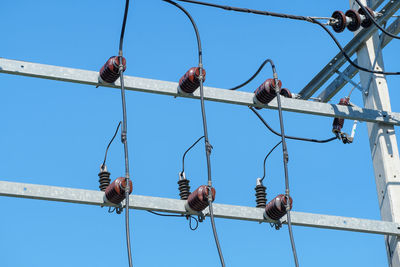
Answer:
x=198 y=200
x=355 y=22
x=341 y=21
x=366 y=22
x=265 y=92
x=338 y=123
x=276 y=208
x=190 y=81
x=184 y=189
x=104 y=180
x=261 y=196
x=286 y=93
x=115 y=192
x=109 y=73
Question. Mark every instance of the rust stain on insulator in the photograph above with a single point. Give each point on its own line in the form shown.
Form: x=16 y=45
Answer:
x=198 y=200
x=189 y=82
x=115 y=192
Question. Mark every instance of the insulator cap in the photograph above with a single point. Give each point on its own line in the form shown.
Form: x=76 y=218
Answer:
x=366 y=21
x=115 y=192
x=338 y=123
x=109 y=73
x=198 y=200
x=340 y=25
x=265 y=92
x=276 y=208
x=190 y=81
x=355 y=22
x=286 y=93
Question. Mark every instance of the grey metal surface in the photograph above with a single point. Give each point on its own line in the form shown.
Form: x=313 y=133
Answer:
x=212 y=94
x=337 y=84
x=334 y=64
x=91 y=197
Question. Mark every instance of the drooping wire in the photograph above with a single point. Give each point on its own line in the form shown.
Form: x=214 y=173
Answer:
x=109 y=144
x=269 y=153
x=290 y=137
x=366 y=12
x=184 y=154
x=208 y=147
x=190 y=217
x=252 y=77
x=124 y=133
x=285 y=162
x=295 y=17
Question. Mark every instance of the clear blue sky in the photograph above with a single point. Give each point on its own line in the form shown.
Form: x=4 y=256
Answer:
x=55 y=133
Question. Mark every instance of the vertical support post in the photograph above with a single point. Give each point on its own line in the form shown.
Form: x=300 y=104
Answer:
x=383 y=142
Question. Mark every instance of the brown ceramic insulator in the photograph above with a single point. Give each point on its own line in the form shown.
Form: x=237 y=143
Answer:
x=115 y=192
x=184 y=189
x=109 y=73
x=190 y=81
x=265 y=92
x=366 y=21
x=338 y=123
x=355 y=22
x=341 y=19
x=198 y=200
x=276 y=208
x=261 y=196
x=286 y=93
x=104 y=180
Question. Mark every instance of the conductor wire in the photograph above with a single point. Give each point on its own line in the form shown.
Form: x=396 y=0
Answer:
x=290 y=137
x=266 y=157
x=124 y=134
x=294 y=17
x=208 y=147
x=366 y=12
x=109 y=144
x=184 y=154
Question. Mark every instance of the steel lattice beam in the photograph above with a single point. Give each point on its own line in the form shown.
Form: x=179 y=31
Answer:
x=351 y=48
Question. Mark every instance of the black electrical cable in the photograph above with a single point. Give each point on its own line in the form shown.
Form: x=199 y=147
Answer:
x=165 y=215
x=291 y=137
x=208 y=147
x=190 y=217
x=285 y=162
x=295 y=17
x=124 y=132
x=109 y=144
x=269 y=153
x=252 y=77
x=184 y=154
x=375 y=22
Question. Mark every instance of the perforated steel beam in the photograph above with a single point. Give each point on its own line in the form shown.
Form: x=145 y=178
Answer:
x=213 y=94
x=90 y=197
x=352 y=47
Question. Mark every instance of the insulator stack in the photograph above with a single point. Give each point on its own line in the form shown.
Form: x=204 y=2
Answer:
x=365 y=20
x=184 y=187
x=265 y=92
x=355 y=20
x=198 y=200
x=104 y=178
x=352 y=19
x=338 y=123
x=286 y=93
x=109 y=73
x=261 y=195
x=190 y=81
x=115 y=192
x=276 y=208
